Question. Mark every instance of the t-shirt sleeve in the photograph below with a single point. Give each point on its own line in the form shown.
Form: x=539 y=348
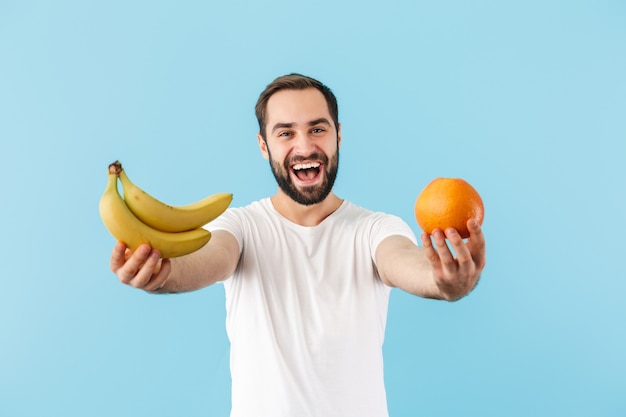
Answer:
x=385 y=225
x=230 y=221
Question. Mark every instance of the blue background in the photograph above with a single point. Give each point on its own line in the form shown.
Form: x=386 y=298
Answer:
x=524 y=99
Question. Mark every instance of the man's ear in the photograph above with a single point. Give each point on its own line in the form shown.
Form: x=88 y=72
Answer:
x=263 y=146
x=339 y=136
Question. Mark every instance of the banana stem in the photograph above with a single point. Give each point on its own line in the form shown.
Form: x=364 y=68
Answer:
x=115 y=168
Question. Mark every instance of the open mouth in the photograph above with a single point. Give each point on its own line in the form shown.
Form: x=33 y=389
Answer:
x=307 y=172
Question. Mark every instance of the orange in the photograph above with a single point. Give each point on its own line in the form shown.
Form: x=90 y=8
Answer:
x=448 y=202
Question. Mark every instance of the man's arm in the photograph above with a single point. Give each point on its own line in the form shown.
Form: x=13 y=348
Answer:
x=144 y=269
x=433 y=271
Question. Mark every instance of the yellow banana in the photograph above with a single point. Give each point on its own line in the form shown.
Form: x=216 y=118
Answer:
x=168 y=218
x=126 y=227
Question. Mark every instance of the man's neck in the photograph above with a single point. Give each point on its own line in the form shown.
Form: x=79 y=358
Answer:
x=305 y=215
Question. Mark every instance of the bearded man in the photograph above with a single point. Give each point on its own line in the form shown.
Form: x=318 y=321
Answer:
x=307 y=275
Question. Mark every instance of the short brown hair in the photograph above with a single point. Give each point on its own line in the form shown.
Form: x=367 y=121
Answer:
x=294 y=82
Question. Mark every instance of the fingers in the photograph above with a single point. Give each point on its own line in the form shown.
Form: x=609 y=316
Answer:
x=476 y=243
x=446 y=257
x=158 y=279
x=142 y=268
x=457 y=266
x=429 y=250
x=463 y=257
x=118 y=256
x=464 y=260
x=438 y=254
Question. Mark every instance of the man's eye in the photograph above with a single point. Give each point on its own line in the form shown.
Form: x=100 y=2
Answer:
x=318 y=130
x=284 y=134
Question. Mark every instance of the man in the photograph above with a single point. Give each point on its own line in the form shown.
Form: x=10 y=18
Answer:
x=307 y=275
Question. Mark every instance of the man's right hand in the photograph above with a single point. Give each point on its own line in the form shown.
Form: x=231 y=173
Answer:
x=143 y=269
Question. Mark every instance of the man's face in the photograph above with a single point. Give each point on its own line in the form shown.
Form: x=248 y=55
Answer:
x=302 y=144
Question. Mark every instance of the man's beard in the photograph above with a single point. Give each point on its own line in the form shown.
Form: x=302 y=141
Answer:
x=306 y=195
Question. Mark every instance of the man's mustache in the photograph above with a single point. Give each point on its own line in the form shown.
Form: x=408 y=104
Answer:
x=314 y=156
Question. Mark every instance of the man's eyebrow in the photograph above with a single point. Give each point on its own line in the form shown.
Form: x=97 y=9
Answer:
x=321 y=120
x=281 y=126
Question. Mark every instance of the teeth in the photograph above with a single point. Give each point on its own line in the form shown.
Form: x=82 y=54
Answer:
x=306 y=166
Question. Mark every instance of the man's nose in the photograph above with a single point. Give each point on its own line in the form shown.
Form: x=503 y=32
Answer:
x=304 y=145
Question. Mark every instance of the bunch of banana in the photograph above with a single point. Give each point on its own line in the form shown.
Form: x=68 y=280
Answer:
x=140 y=218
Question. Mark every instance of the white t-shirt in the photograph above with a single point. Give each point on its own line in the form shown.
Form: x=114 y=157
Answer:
x=306 y=312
